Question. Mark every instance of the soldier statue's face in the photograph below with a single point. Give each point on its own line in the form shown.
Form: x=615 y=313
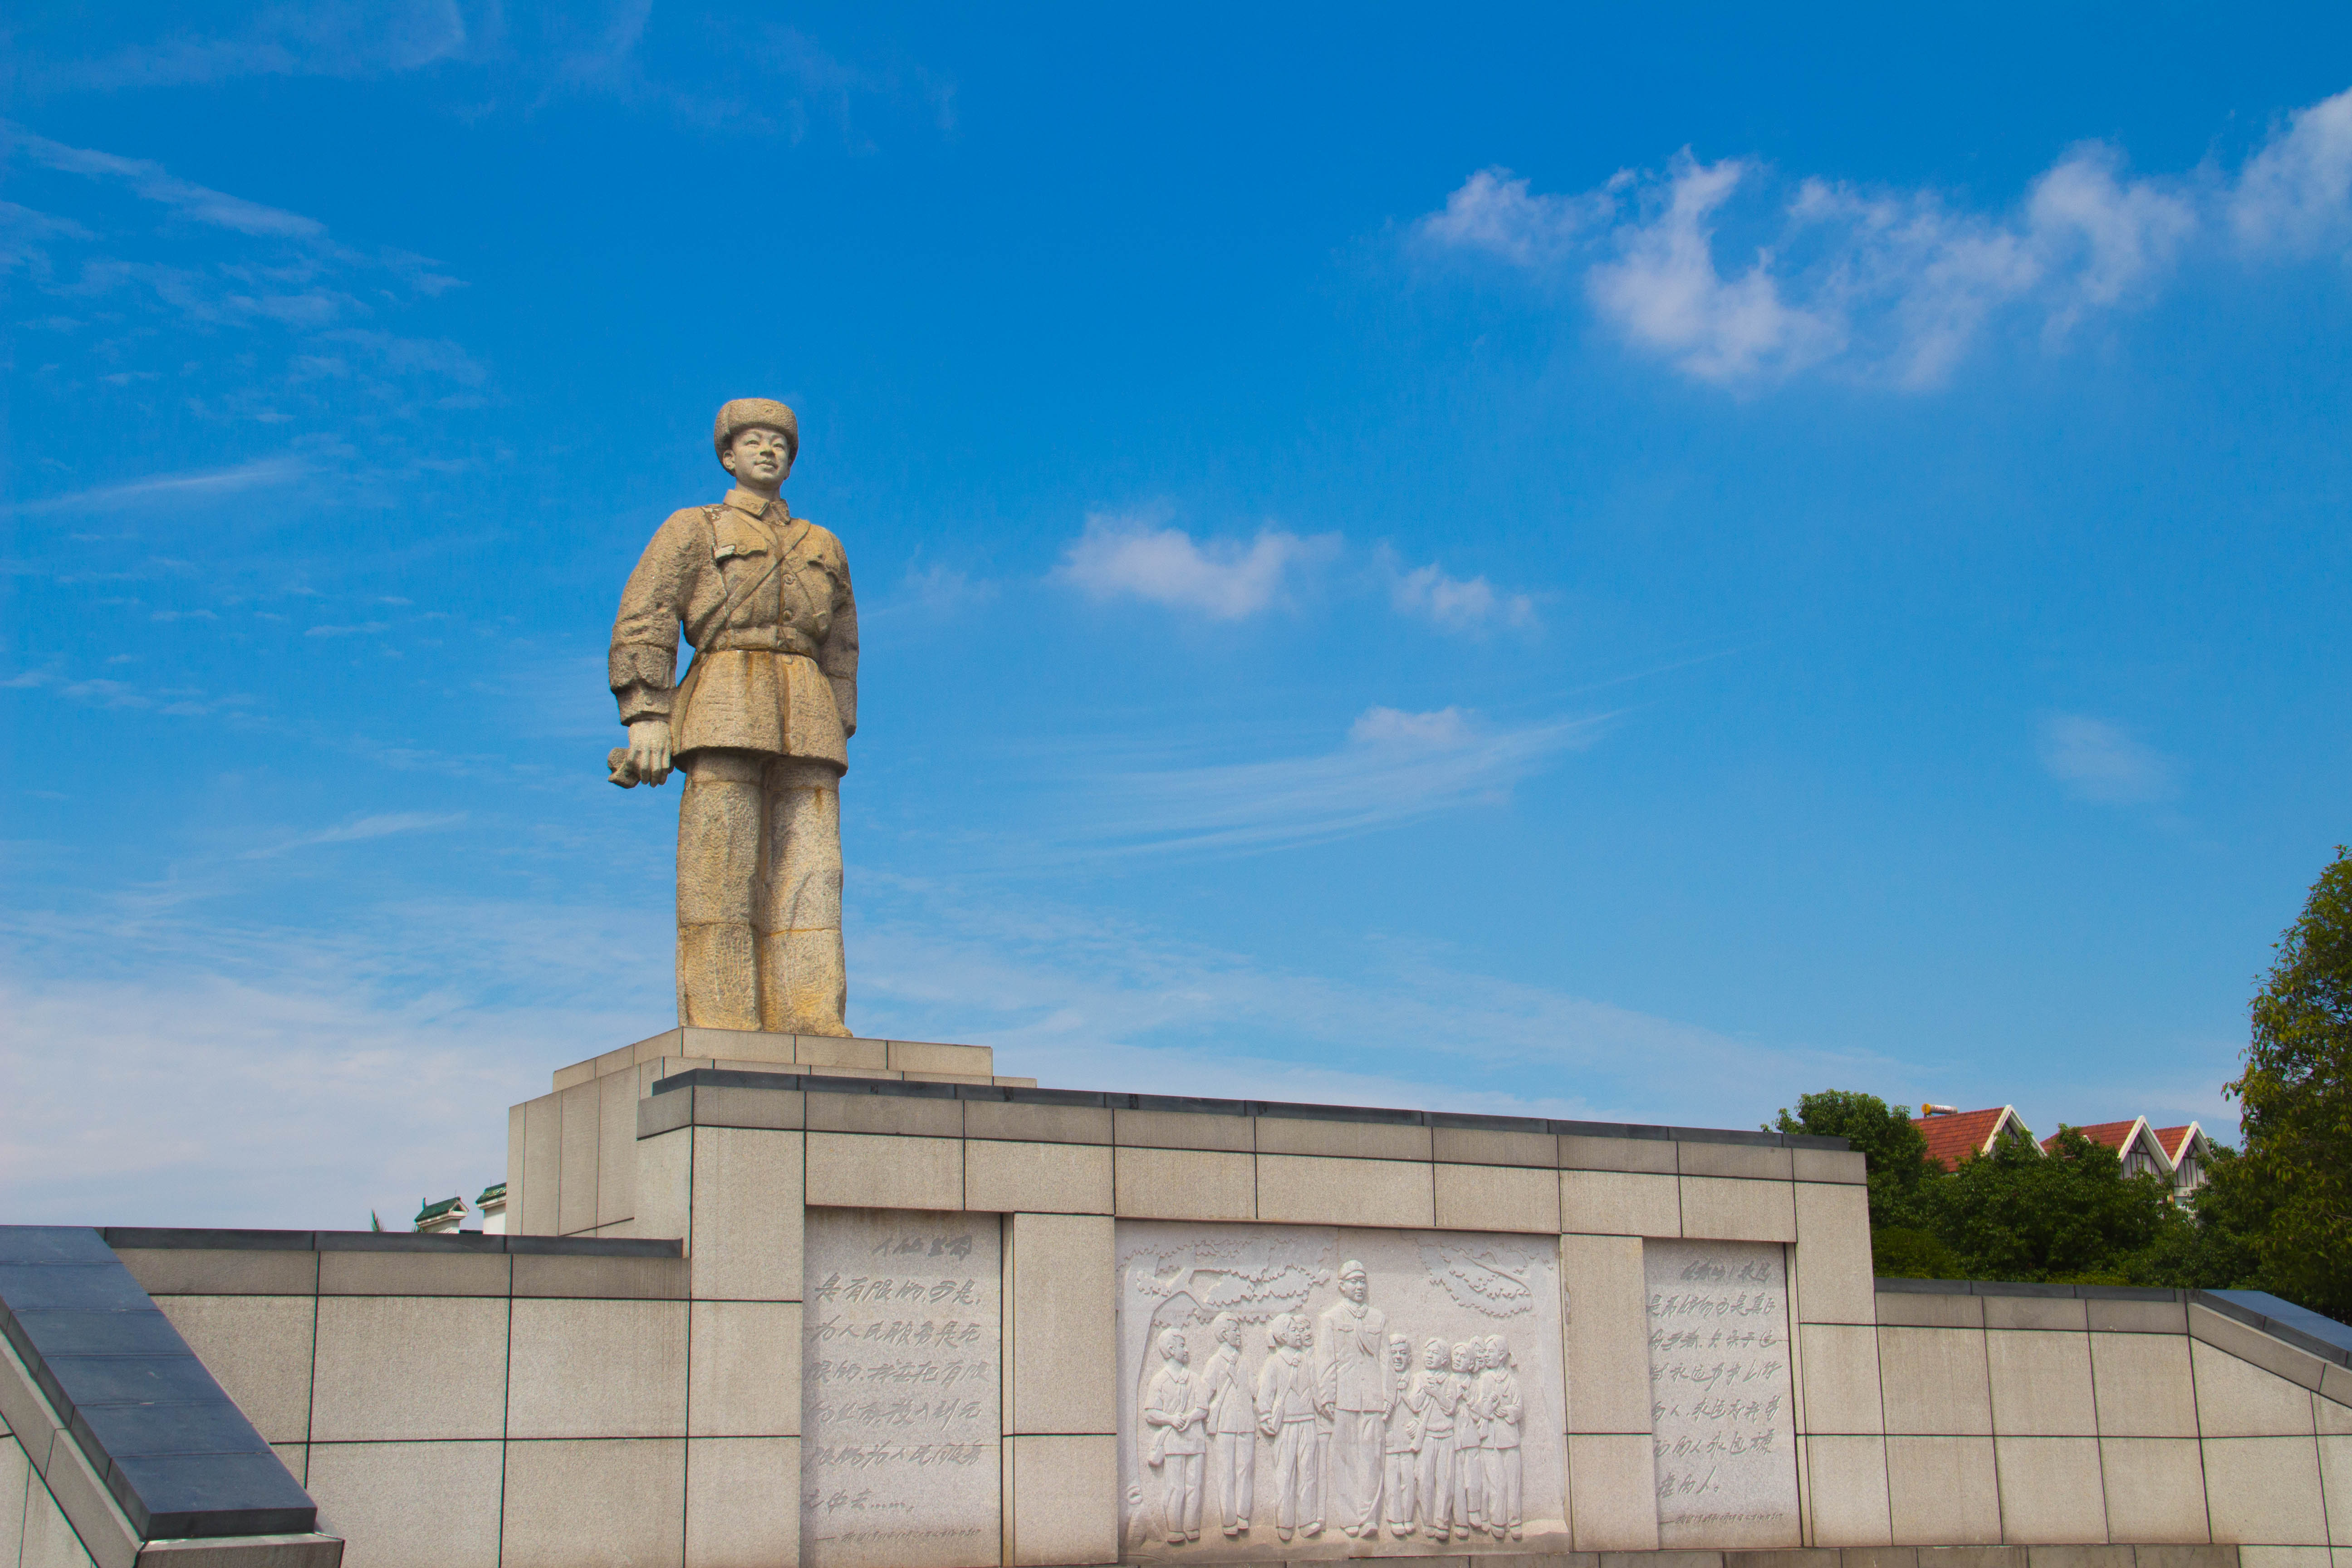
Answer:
x=1353 y=1287
x=760 y=458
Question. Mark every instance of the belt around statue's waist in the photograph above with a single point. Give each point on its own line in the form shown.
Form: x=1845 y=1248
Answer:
x=762 y=639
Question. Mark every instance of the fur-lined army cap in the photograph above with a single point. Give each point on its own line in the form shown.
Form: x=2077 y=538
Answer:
x=743 y=413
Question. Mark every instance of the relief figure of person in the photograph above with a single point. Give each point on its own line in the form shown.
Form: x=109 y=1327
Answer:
x=1400 y=1445
x=1286 y=1412
x=1437 y=1396
x=1233 y=1424
x=1469 y=1443
x=1506 y=1407
x=1351 y=1353
x=760 y=726
x=1177 y=1416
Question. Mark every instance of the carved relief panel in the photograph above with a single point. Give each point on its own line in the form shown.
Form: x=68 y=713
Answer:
x=901 y=1357
x=1722 y=1419
x=1302 y=1392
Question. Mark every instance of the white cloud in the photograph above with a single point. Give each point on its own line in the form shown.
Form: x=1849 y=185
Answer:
x=1454 y=604
x=1224 y=579
x=2295 y=195
x=1664 y=291
x=1889 y=285
x=1493 y=212
x=2108 y=234
x=1442 y=729
x=2097 y=761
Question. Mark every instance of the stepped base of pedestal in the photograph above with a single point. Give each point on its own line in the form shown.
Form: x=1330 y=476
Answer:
x=747 y=1047
x=571 y=1155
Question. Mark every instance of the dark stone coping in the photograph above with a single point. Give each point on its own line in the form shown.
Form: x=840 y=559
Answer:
x=470 y=1244
x=174 y=1451
x=2298 y=1326
x=826 y=1083
x=2184 y=1555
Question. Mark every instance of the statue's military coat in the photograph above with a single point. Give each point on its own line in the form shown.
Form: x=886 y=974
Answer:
x=780 y=676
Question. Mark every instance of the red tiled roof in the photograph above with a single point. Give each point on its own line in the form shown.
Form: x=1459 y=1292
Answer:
x=2175 y=1140
x=1952 y=1139
x=2114 y=1134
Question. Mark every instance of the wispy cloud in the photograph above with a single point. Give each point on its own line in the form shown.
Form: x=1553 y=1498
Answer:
x=188 y=484
x=1889 y=284
x=156 y=183
x=1083 y=999
x=2097 y=761
x=166 y=1069
x=321 y=37
x=251 y=314
x=933 y=591
x=1395 y=767
x=176 y=702
x=764 y=77
x=1225 y=579
x=359 y=830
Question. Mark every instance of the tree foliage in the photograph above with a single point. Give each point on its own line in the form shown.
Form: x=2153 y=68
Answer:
x=1894 y=1151
x=2296 y=1090
x=2277 y=1217
x=2070 y=1216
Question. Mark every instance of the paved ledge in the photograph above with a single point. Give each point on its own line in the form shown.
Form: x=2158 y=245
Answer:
x=2300 y=1327
x=2047 y=1293
x=148 y=1238
x=2186 y=1556
x=92 y=1359
x=1271 y=1110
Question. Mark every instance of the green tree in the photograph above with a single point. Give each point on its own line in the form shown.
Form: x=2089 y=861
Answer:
x=1894 y=1152
x=2070 y=1215
x=2297 y=1088
x=2211 y=1243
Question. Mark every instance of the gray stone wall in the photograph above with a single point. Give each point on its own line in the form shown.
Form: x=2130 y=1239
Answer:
x=534 y=1400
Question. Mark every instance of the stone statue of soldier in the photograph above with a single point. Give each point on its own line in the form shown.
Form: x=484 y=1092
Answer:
x=760 y=726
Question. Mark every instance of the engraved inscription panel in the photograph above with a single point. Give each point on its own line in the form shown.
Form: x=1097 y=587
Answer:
x=1721 y=1416
x=901 y=1364
x=1303 y=1392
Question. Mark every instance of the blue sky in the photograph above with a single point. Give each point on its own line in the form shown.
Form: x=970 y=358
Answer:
x=1608 y=565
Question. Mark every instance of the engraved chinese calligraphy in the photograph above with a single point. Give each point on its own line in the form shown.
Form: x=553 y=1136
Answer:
x=901 y=1359
x=1721 y=1416
x=1329 y=1392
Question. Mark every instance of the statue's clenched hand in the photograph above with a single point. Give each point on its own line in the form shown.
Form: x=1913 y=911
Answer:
x=649 y=749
